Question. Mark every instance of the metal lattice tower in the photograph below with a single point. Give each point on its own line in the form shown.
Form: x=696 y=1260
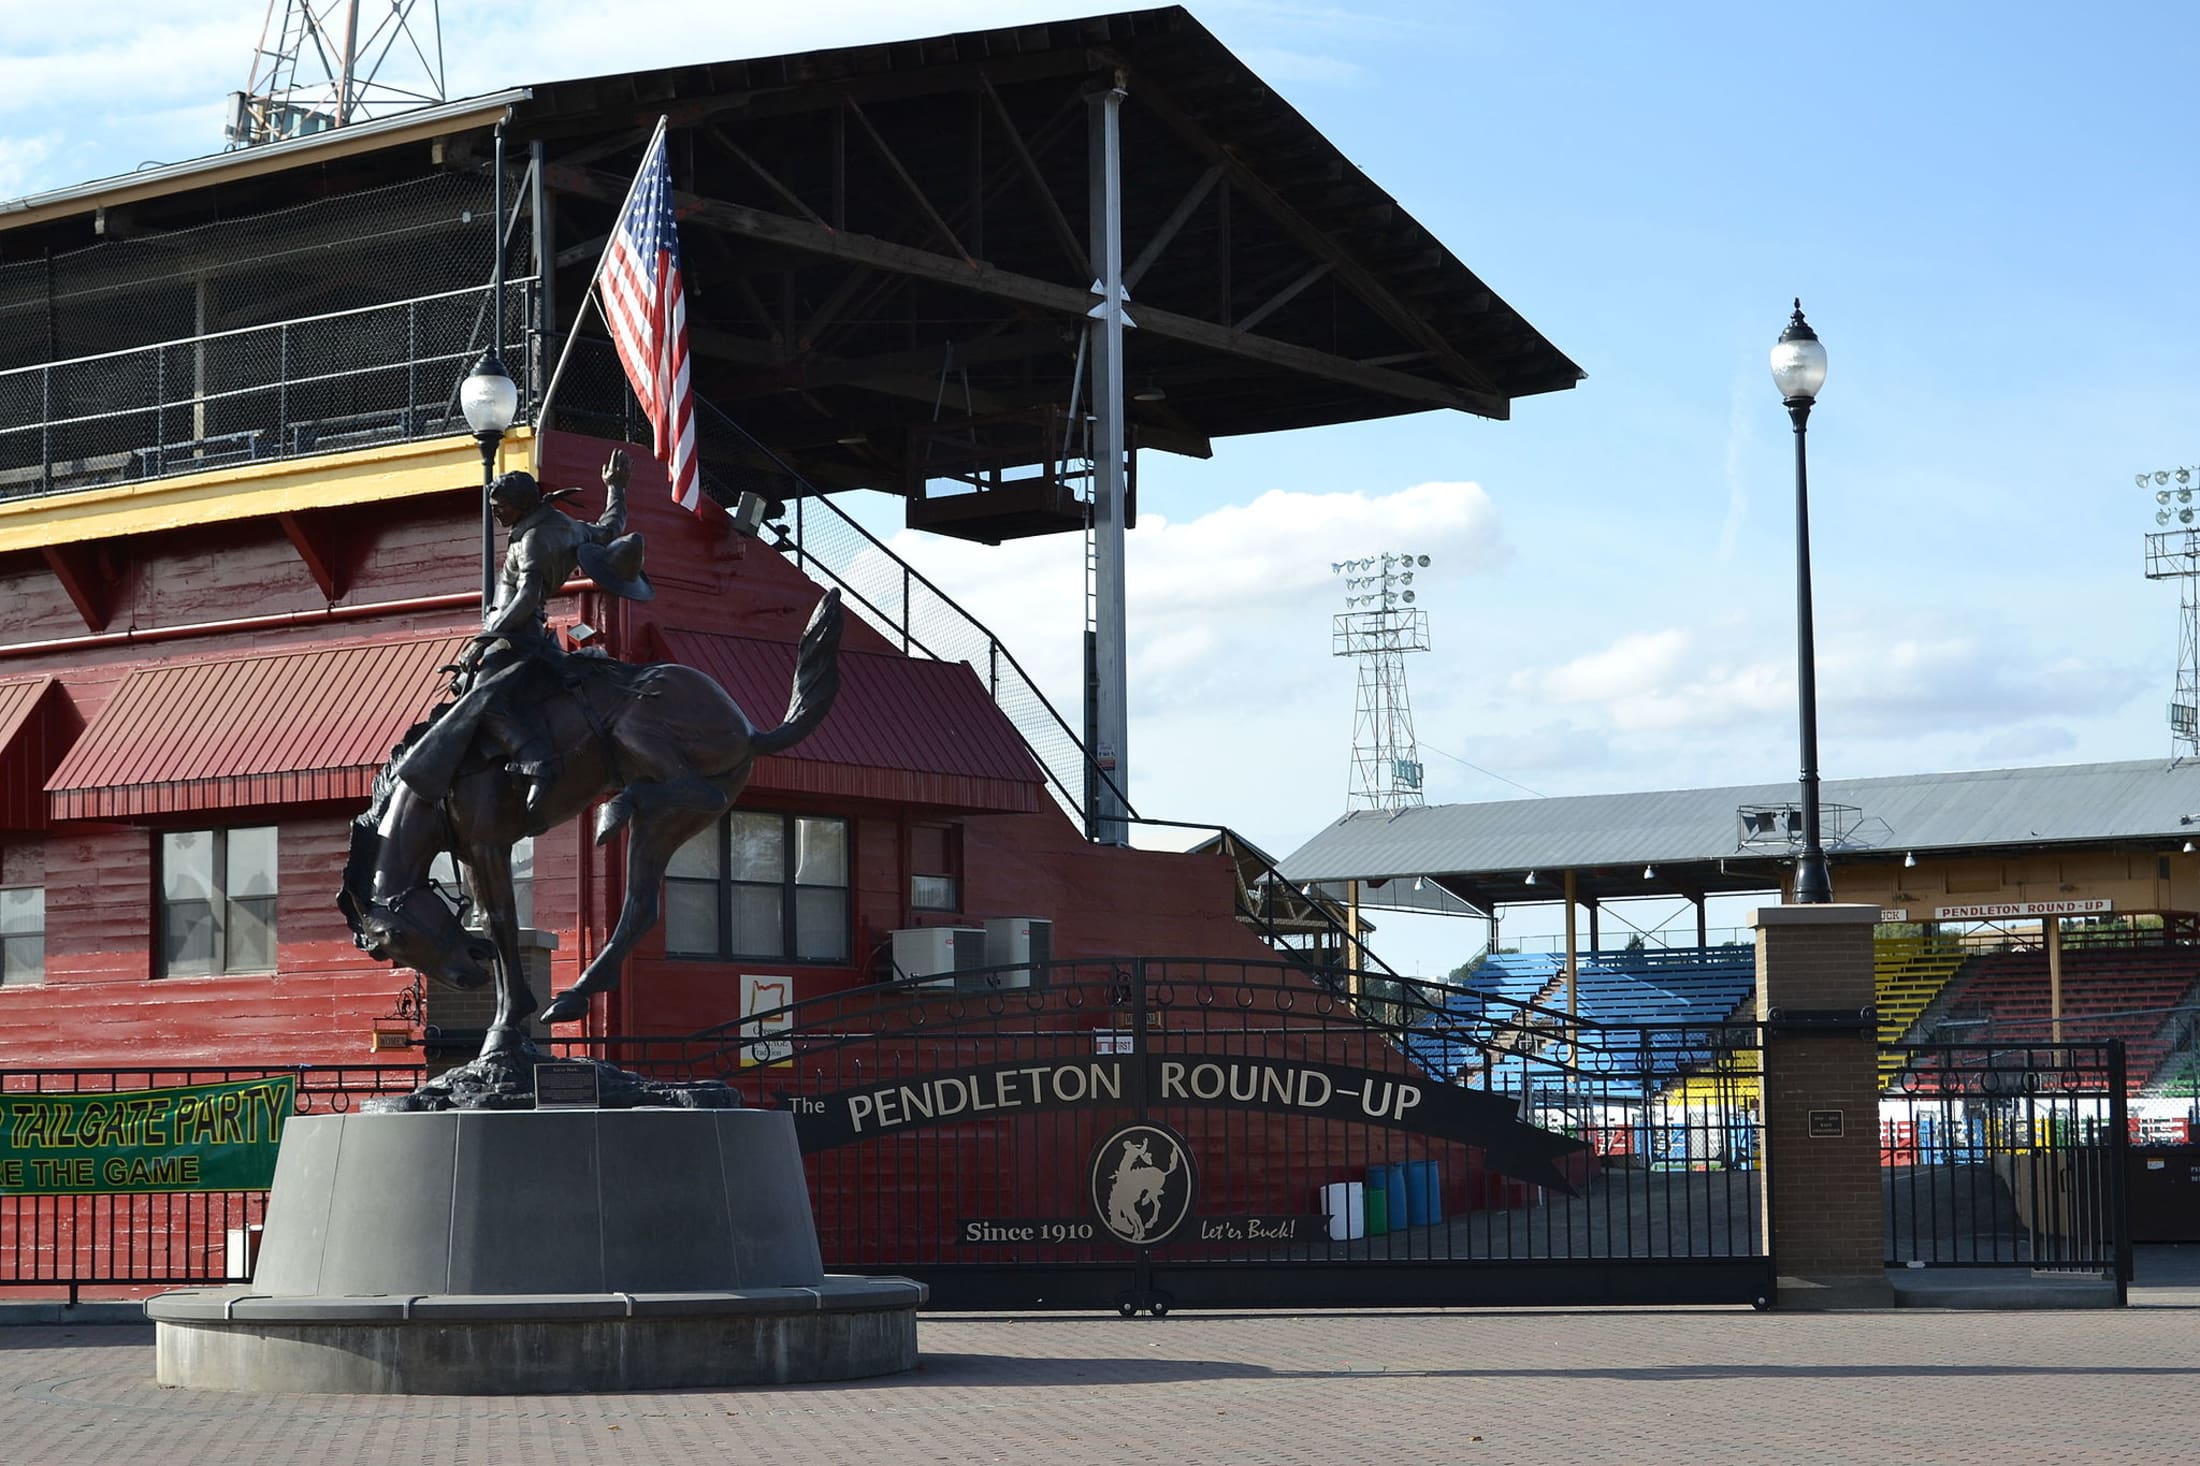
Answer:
x=1379 y=625
x=2173 y=553
x=324 y=63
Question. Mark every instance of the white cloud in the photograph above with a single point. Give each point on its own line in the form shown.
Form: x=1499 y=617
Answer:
x=1639 y=664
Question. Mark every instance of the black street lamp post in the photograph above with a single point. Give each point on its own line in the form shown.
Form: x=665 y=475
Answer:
x=1799 y=370
x=490 y=400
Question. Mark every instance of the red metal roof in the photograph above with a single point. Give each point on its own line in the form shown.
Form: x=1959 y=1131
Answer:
x=276 y=728
x=903 y=729
x=27 y=752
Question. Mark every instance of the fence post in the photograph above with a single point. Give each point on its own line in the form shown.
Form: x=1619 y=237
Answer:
x=2119 y=1168
x=283 y=446
x=1824 y=1229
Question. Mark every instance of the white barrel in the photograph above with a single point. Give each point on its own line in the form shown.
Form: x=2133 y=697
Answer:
x=1345 y=1204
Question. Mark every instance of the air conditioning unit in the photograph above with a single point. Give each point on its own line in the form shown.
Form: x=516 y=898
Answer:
x=1021 y=946
x=933 y=955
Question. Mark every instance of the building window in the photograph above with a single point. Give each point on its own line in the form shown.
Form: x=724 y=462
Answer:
x=22 y=934
x=935 y=868
x=760 y=885
x=217 y=901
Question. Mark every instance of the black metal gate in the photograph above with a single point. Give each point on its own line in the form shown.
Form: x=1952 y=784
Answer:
x=2007 y=1155
x=1144 y=1133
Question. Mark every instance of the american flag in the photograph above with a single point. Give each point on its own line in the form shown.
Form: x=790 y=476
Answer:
x=647 y=310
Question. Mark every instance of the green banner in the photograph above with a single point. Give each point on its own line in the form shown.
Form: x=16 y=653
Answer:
x=199 y=1137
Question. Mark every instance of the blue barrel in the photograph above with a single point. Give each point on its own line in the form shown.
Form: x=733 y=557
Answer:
x=1391 y=1181
x=1424 y=1193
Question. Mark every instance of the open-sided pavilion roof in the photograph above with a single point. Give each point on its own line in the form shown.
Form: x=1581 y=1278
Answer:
x=888 y=246
x=1696 y=842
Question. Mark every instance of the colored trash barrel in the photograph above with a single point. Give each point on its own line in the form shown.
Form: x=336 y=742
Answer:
x=1378 y=1201
x=1345 y=1204
x=1424 y=1193
x=1391 y=1181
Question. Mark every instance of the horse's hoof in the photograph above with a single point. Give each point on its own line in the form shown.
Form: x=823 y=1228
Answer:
x=566 y=1007
x=503 y=1038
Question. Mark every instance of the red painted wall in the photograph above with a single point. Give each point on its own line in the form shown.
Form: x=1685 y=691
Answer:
x=100 y=1004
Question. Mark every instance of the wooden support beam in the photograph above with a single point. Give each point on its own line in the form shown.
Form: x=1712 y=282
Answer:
x=1316 y=241
x=1066 y=300
x=830 y=308
x=328 y=544
x=89 y=577
x=1281 y=298
x=908 y=183
x=1036 y=176
x=1171 y=226
x=770 y=181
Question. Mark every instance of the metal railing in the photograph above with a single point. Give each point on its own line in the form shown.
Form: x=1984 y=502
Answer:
x=385 y=373
x=163 y=1238
x=2007 y=1155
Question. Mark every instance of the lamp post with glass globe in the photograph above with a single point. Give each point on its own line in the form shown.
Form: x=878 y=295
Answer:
x=490 y=400
x=1799 y=370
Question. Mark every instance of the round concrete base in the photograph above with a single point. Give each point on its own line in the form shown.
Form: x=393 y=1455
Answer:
x=518 y=1252
x=234 y=1339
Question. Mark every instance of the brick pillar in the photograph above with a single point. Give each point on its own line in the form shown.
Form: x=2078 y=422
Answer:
x=1824 y=1224
x=468 y=1010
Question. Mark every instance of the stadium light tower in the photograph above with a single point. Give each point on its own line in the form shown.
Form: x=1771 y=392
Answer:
x=326 y=63
x=1378 y=626
x=2173 y=553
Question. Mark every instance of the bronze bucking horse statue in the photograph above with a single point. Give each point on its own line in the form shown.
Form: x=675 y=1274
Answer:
x=666 y=743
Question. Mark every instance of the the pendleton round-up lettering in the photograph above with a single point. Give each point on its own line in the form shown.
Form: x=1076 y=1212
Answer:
x=1161 y=1081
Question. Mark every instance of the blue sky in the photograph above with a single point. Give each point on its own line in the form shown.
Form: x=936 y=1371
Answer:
x=1988 y=210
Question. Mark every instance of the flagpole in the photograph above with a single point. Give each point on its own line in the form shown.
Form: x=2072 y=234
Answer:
x=588 y=296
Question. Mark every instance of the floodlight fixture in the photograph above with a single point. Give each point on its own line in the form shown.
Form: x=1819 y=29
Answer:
x=1909 y=860
x=2161 y=475
x=2161 y=516
x=2188 y=848
x=1649 y=872
x=1407 y=596
x=1421 y=560
x=2161 y=496
x=2140 y=480
x=1530 y=880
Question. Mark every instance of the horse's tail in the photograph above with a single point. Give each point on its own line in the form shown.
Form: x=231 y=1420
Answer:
x=816 y=679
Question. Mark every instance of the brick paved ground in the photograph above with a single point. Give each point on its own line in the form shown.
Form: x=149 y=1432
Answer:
x=1610 y=1386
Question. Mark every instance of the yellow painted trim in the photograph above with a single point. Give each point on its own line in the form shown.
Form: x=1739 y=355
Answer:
x=253 y=491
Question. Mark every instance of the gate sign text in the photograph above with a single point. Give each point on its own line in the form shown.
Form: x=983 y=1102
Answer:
x=1163 y=1081
x=1993 y=910
x=201 y=1137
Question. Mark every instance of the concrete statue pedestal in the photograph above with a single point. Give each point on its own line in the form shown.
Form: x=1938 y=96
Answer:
x=510 y=1252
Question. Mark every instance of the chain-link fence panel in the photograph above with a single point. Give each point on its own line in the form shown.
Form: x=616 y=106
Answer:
x=339 y=323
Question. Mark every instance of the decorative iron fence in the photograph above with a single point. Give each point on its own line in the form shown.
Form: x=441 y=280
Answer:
x=1149 y=1132
x=385 y=373
x=2007 y=1155
x=168 y=1238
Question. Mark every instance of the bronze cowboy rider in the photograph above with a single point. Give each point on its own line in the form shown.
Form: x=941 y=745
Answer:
x=515 y=662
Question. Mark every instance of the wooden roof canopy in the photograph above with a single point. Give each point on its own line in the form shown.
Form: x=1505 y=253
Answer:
x=887 y=247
